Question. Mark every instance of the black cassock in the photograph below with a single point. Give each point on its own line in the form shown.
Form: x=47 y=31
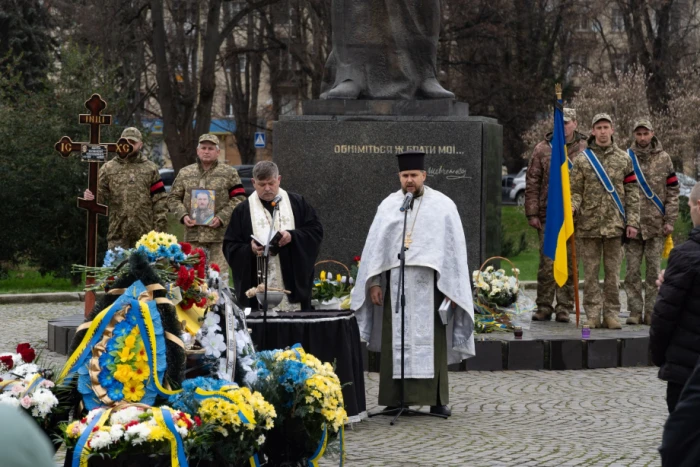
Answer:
x=296 y=258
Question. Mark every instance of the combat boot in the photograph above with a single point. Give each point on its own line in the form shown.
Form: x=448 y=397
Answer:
x=611 y=322
x=562 y=317
x=647 y=319
x=592 y=322
x=542 y=315
x=634 y=319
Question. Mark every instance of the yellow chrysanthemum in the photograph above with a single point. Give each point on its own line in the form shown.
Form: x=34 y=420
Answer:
x=134 y=390
x=123 y=374
x=125 y=354
x=158 y=433
x=130 y=341
x=141 y=355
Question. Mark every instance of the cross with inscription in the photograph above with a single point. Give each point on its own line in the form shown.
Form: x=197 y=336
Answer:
x=93 y=152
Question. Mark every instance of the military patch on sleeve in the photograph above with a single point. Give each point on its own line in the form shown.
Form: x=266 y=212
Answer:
x=237 y=190
x=672 y=179
x=630 y=177
x=157 y=187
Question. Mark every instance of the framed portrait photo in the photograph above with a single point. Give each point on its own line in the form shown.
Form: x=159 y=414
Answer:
x=202 y=206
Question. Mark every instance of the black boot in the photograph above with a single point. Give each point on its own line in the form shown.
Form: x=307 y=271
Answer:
x=440 y=410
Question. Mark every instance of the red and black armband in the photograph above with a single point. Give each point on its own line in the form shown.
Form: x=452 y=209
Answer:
x=157 y=187
x=672 y=179
x=237 y=190
x=630 y=178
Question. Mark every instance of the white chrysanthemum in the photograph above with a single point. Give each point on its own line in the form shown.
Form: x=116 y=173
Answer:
x=182 y=430
x=92 y=415
x=116 y=432
x=125 y=416
x=138 y=434
x=26 y=370
x=261 y=440
x=100 y=439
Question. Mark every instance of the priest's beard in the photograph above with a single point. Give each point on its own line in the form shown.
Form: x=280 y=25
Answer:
x=416 y=194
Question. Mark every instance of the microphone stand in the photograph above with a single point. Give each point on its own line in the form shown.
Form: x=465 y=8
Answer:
x=402 y=408
x=266 y=256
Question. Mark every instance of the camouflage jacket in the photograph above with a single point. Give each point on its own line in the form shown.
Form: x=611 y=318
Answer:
x=657 y=168
x=537 y=175
x=229 y=191
x=136 y=197
x=596 y=212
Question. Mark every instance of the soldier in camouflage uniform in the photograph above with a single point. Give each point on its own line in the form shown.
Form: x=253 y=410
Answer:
x=135 y=194
x=600 y=225
x=536 y=187
x=657 y=169
x=208 y=174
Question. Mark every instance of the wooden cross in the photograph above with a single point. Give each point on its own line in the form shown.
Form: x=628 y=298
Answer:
x=93 y=152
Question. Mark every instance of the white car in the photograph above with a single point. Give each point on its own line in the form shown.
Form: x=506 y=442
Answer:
x=517 y=191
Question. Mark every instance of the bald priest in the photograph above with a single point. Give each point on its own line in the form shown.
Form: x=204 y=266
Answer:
x=438 y=332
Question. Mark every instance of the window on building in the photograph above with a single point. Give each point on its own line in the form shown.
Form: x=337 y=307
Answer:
x=617 y=21
x=228 y=106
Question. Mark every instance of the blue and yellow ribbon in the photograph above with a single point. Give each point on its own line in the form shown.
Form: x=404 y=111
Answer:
x=80 y=453
x=313 y=460
x=178 y=458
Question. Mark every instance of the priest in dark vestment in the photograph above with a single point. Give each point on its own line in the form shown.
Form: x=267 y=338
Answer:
x=384 y=49
x=292 y=265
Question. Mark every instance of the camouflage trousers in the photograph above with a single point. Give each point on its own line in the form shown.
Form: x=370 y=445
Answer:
x=651 y=250
x=547 y=288
x=125 y=243
x=607 y=302
x=215 y=254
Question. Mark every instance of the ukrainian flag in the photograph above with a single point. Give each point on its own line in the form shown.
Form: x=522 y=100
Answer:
x=560 y=221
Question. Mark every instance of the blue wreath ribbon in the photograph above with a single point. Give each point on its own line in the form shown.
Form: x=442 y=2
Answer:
x=313 y=460
x=177 y=455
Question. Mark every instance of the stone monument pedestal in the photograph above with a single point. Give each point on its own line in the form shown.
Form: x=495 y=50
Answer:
x=341 y=156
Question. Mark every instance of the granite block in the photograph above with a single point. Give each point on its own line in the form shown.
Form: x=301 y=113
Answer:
x=566 y=354
x=635 y=352
x=489 y=356
x=525 y=355
x=394 y=107
x=344 y=169
x=602 y=353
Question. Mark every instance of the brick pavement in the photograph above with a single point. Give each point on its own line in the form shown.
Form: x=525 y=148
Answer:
x=611 y=417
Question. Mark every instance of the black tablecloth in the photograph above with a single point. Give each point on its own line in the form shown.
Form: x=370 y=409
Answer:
x=331 y=336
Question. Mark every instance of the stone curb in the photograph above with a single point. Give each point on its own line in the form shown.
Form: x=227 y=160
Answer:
x=51 y=297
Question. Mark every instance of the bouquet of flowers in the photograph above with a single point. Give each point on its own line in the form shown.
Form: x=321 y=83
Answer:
x=130 y=429
x=331 y=294
x=227 y=413
x=499 y=303
x=308 y=399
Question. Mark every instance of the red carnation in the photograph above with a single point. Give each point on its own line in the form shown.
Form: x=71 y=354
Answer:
x=7 y=361
x=200 y=271
x=215 y=267
x=186 y=420
x=28 y=354
x=202 y=303
x=198 y=420
x=357 y=259
x=187 y=304
x=186 y=248
x=130 y=424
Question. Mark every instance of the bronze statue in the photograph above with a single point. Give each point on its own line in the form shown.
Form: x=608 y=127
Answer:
x=384 y=49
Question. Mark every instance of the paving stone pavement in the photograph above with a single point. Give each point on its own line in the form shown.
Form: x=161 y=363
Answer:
x=610 y=417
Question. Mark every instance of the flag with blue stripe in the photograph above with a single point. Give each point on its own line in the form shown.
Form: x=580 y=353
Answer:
x=560 y=220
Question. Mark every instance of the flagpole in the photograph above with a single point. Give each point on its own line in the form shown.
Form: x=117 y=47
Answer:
x=572 y=243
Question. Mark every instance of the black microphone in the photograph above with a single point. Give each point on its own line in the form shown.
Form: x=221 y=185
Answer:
x=276 y=201
x=407 y=201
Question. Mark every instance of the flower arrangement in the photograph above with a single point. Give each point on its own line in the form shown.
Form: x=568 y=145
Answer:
x=308 y=398
x=499 y=303
x=20 y=362
x=129 y=429
x=496 y=286
x=334 y=294
x=31 y=392
x=227 y=413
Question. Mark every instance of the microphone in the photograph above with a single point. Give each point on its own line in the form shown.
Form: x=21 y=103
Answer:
x=276 y=201
x=406 y=201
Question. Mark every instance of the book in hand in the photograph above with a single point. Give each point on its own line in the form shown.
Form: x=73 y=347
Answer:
x=274 y=242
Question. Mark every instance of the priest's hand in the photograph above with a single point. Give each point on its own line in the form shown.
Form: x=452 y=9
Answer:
x=87 y=194
x=215 y=223
x=189 y=222
x=375 y=294
x=257 y=249
x=286 y=238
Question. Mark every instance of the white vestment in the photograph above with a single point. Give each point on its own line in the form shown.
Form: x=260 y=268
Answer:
x=262 y=223
x=438 y=249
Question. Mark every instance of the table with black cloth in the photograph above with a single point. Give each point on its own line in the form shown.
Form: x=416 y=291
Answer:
x=330 y=336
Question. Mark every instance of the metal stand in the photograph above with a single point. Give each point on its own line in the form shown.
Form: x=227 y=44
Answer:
x=403 y=409
x=266 y=255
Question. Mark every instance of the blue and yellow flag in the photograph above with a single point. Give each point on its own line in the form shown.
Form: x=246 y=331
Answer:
x=560 y=221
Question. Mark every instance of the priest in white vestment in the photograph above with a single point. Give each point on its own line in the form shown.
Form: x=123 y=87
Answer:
x=437 y=333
